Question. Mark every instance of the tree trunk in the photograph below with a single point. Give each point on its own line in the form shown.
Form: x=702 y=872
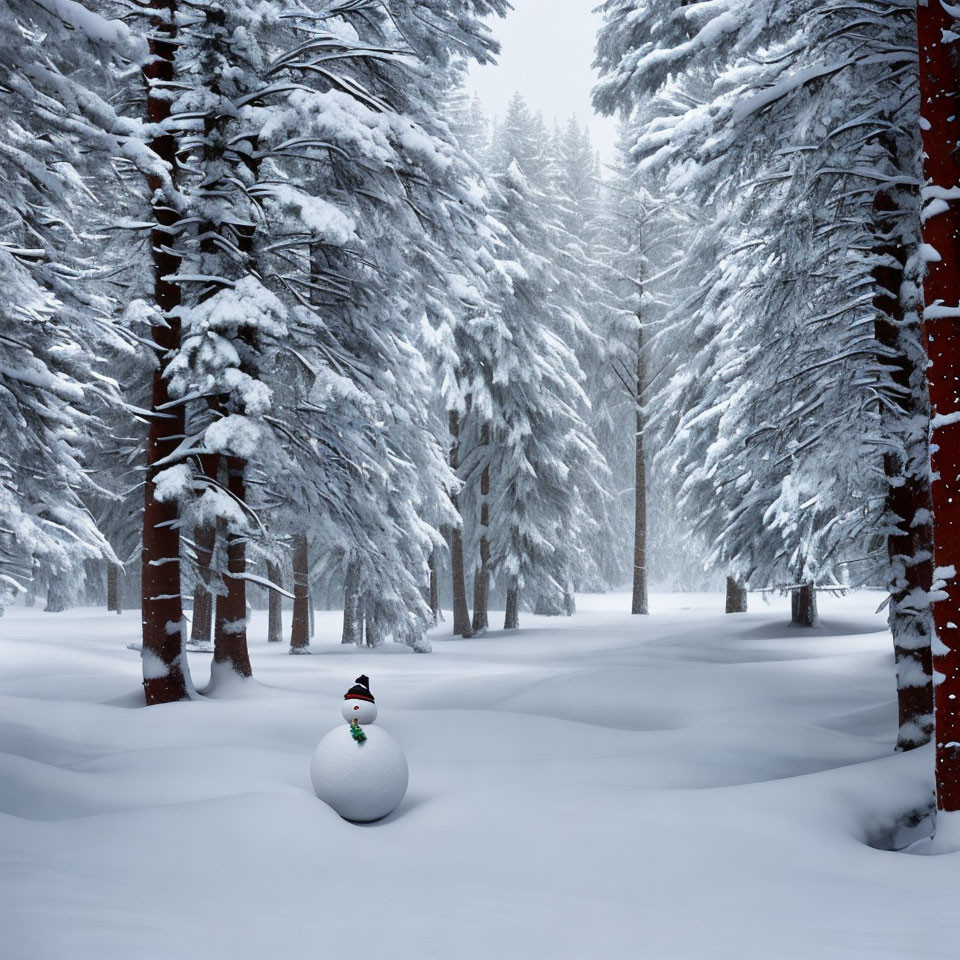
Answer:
x=803 y=605
x=230 y=635
x=311 y=614
x=736 y=596
x=906 y=466
x=300 y=624
x=569 y=600
x=941 y=290
x=461 y=614
x=59 y=595
x=481 y=579
x=373 y=637
x=114 y=603
x=639 y=603
x=165 y=671
x=274 y=604
x=205 y=539
x=548 y=605
x=434 y=588
x=511 y=619
x=351 y=599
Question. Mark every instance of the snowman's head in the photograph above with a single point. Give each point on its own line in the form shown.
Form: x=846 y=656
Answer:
x=363 y=711
x=359 y=703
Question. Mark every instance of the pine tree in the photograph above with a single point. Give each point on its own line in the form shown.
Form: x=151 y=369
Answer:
x=54 y=390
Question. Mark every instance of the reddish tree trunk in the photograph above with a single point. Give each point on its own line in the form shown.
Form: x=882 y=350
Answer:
x=230 y=636
x=165 y=677
x=941 y=290
x=461 y=613
x=300 y=623
x=907 y=470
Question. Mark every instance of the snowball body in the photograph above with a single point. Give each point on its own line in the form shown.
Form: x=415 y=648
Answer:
x=363 y=711
x=361 y=781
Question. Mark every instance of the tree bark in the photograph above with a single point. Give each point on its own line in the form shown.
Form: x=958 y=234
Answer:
x=300 y=623
x=548 y=605
x=803 y=605
x=434 y=588
x=372 y=635
x=481 y=579
x=906 y=467
x=165 y=672
x=230 y=635
x=205 y=539
x=114 y=603
x=569 y=600
x=639 y=603
x=59 y=596
x=352 y=629
x=941 y=290
x=461 y=614
x=736 y=596
x=274 y=604
x=511 y=619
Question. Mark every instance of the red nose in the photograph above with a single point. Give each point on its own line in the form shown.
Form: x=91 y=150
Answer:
x=357 y=707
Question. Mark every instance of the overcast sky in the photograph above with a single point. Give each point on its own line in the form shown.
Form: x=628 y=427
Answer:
x=546 y=52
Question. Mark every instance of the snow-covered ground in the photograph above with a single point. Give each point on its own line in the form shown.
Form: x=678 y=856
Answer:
x=682 y=786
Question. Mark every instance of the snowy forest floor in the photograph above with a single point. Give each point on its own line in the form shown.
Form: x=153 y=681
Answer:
x=682 y=786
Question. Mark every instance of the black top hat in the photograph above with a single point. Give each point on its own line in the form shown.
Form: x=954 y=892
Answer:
x=360 y=690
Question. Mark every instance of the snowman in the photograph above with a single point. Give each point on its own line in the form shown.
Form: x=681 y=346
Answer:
x=357 y=769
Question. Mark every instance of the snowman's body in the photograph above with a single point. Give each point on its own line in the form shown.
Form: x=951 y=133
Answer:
x=363 y=777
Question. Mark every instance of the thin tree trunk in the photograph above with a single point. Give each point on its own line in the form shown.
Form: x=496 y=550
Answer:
x=803 y=605
x=165 y=671
x=511 y=619
x=274 y=604
x=311 y=614
x=351 y=600
x=736 y=596
x=372 y=637
x=569 y=600
x=205 y=539
x=230 y=635
x=113 y=588
x=434 y=588
x=906 y=466
x=481 y=579
x=639 y=602
x=461 y=614
x=941 y=290
x=300 y=623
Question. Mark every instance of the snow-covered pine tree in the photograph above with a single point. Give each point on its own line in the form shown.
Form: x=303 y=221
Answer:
x=537 y=439
x=54 y=134
x=324 y=212
x=792 y=259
